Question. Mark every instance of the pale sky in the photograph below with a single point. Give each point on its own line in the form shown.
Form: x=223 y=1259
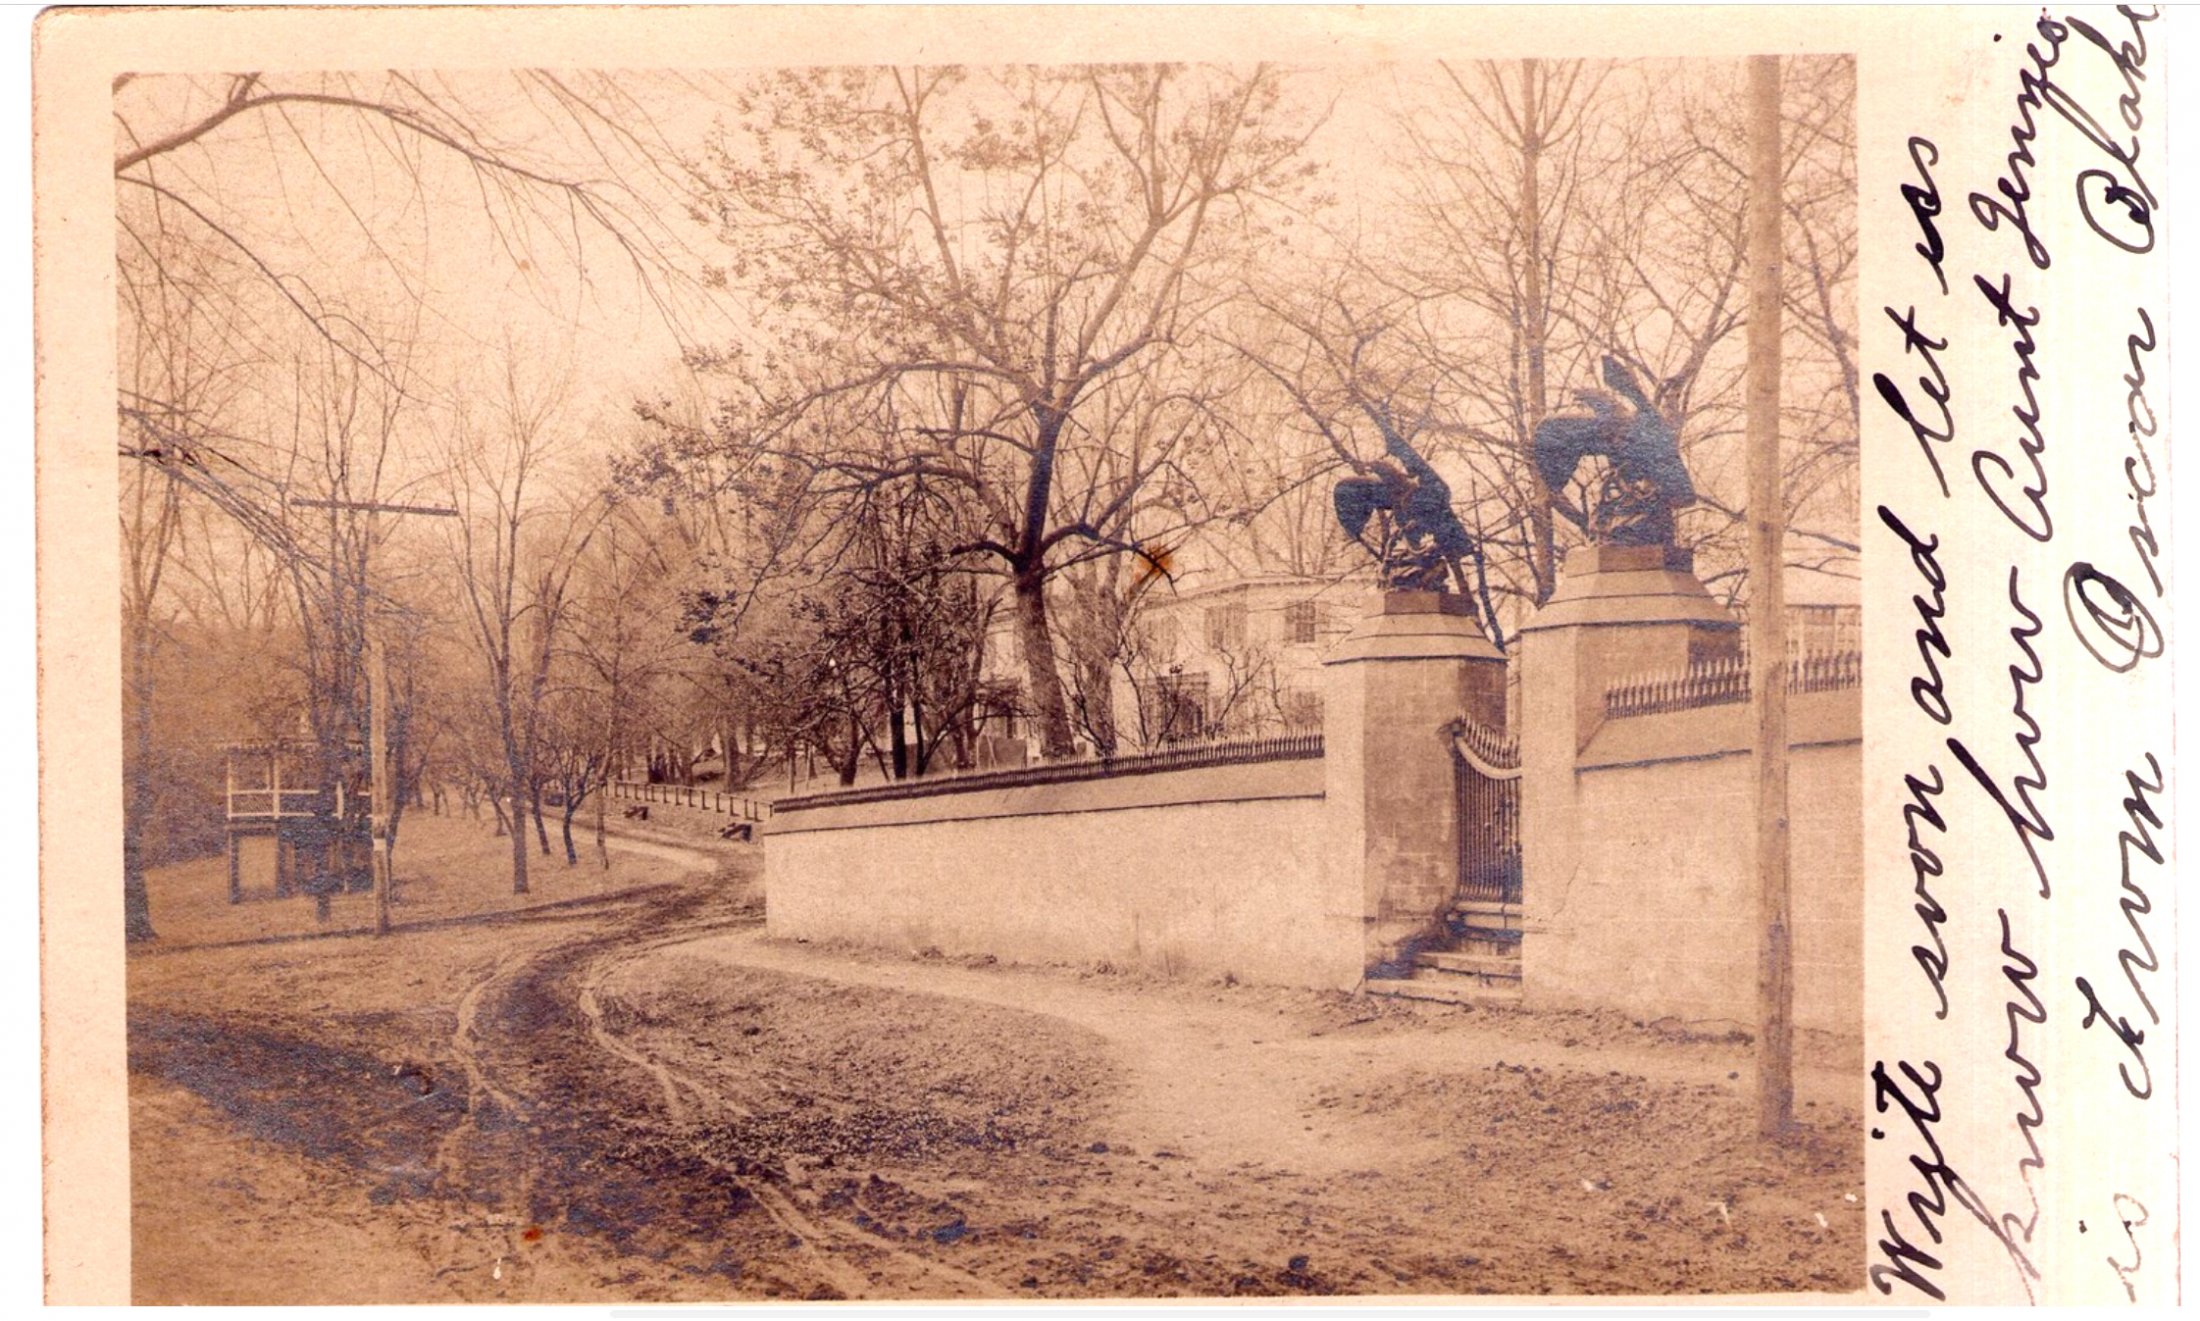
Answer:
x=569 y=301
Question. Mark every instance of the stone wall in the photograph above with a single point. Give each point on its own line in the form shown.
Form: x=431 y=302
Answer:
x=1204 y=871
x=1638 y=834
x=1636 y=831
x=1655 y=916
x=1393 y=685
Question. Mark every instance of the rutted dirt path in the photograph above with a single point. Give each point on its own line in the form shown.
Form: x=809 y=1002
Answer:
x=623 y=1092
x=1232 y=1077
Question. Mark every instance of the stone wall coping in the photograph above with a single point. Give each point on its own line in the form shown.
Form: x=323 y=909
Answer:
x=1814 y=720
x=1659 y=607
x=1415 y=636
x=1177 y=757
x=1299 y=777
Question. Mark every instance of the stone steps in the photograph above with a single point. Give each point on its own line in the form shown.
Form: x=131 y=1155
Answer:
x=1478 y=960
x=1483 y=967
x=1486 y=946
x=1485 y=929
x=1485 y=915
x=1444 y=989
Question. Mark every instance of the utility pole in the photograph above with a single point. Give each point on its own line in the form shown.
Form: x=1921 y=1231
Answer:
x=1768 y=608
x=381 y=799
x=381 y=779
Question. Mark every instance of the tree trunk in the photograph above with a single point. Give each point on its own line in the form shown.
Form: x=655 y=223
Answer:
x=846 y=767
x=1543 y=550
x=565 y=827
x=1535 y=321
x=520 y=837
x=542 y=835
x=137 y=908
x=1049 y=709
x=603 y=849
x=518 y=790
x=1096 y=687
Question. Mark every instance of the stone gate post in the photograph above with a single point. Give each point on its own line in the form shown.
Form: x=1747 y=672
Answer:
x=1391 y=686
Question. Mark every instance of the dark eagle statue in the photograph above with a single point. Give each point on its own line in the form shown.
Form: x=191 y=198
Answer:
x=1646 y=481
x=1426 y=542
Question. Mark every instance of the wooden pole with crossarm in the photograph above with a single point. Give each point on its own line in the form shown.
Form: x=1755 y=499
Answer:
x=381 y=784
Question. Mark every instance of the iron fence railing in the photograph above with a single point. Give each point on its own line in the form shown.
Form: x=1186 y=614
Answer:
x=1723 y=681
x=1486 y=808
x=1492 y=752
x=1189 y=756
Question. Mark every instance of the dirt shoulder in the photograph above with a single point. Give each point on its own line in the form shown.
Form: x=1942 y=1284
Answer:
x=615 y=1089
x=1381 y=1146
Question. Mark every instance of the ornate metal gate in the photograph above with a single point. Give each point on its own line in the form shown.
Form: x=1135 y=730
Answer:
x=1486 y=798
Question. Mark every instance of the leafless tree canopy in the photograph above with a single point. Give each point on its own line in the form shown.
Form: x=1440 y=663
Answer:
x=850 y=414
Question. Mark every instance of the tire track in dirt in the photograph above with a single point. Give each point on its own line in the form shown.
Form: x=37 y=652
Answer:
x=472 y=1145
x=767 y=1183
x=498 y=1154
x=845 y=1261
x=520 y=1134
x=911 y=1273
x=466 y=1042
x=586 y=998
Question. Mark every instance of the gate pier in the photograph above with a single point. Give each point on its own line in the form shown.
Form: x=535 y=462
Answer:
x=1394 y=687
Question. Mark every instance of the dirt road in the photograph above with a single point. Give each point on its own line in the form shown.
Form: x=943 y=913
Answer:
x=618 y=1090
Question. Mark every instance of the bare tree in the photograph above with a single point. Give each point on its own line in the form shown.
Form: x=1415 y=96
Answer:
x=555 y=161
x=566 y=170
x=1020 y=244
x=179 y=345
x=1560 y=211
x=1371 y=392
x=621 y=652
x=1505 y=158
x=150 y=519
x=516 y=550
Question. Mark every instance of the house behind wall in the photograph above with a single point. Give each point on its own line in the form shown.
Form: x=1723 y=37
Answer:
x=1235 y=659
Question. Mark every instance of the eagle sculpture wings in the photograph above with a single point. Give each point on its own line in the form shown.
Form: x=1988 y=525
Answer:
x=1426 y=543
x=1646 y=481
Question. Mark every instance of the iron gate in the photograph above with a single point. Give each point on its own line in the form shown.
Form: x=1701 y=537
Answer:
x=1485 y=776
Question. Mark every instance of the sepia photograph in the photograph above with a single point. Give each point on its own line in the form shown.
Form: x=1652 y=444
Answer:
x=991 y=681
x=1030 y=656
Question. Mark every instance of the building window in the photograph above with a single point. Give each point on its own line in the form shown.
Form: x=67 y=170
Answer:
x=1179 y=708
x=1302 y=711
x=1225 y=627
x=1000 y=702
x=1816 y=630
x=1302 y=621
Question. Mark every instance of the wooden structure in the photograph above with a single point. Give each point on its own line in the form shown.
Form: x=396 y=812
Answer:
x=271 y=790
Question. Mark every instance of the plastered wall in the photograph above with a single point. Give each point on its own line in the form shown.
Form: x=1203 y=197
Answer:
x=1190 y=872
x=1656 y=917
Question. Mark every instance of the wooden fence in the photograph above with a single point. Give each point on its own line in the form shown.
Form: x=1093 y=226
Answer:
x=694 y=796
